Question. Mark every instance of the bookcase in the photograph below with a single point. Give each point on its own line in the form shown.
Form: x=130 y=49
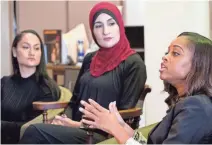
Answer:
x=135 y=35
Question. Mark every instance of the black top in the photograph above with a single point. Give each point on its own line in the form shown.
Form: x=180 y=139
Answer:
x=17 y=95
x=124 y=84
x=188 y=122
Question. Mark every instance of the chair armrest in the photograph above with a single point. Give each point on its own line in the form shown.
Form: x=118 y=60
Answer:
x=147 y=89
x=130 y=113
x=49 y=105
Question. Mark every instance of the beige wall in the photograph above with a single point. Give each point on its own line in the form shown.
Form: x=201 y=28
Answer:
x=40 y=15
x=64 y=15
x=6 y=37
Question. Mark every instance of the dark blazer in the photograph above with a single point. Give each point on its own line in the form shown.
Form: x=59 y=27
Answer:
x=188 y=122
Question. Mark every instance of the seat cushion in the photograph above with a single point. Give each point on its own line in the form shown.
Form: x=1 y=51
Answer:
x=145 y=131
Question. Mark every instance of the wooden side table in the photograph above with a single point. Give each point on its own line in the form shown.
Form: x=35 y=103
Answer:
x=69 y=72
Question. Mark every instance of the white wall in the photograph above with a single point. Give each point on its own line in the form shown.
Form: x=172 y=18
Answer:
x=5 y=39
x=163 y=21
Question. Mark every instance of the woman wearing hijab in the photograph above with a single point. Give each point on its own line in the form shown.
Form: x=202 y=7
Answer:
x=113 y=73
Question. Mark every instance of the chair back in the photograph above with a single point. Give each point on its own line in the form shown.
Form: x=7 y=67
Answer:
x=147 y=89
x=132 y=116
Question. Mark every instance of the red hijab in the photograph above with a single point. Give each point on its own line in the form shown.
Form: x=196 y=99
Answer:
x=107 y=59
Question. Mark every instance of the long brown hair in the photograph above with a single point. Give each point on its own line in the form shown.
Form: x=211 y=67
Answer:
x=199 y=79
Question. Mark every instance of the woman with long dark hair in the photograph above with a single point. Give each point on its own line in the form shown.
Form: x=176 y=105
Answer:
x=29 y=82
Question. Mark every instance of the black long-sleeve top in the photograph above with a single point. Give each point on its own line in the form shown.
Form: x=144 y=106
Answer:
x=124 y=84
x=17 y=95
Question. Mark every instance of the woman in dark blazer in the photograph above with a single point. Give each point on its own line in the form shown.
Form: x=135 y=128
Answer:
x=186 y=70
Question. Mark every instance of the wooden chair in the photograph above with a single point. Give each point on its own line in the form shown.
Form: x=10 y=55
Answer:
x=45 y=106
x=131 y=116
x=65 y=97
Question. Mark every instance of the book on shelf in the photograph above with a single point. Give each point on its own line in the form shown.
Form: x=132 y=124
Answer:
x=53 y=43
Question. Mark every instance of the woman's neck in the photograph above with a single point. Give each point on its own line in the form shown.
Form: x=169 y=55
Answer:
x=26 y=71
x=180 y=89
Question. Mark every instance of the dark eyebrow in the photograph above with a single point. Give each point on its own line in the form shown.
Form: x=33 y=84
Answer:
x=177 y=46
x=37 y=44
x=98 y=22
x=26 y=43
x=29 y=44
x=101 y=22
x=110 y=19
